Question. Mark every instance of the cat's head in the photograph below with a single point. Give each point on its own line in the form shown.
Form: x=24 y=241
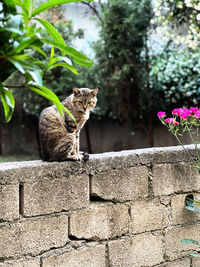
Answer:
x=84 y=99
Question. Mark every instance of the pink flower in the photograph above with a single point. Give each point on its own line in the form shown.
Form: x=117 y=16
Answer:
x=197 y=114
x=171 y=121
x=161 y=114
x=187 y=112
x=183 y=116
x=194 y=110
x=182 y=112
x=177 y=111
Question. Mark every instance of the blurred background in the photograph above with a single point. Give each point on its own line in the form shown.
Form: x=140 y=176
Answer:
x=146 y=59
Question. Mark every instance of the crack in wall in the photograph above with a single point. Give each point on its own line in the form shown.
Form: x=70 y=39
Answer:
x=21 y=199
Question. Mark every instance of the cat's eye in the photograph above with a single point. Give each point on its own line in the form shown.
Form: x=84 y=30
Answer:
x=80 y=102
x=90 y=102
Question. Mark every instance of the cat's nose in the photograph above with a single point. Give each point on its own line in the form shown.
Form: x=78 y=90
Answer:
x=84 y=108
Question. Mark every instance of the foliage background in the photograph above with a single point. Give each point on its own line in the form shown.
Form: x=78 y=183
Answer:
x=135 y=80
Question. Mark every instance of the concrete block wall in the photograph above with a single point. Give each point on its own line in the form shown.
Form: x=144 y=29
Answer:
x=119 y=209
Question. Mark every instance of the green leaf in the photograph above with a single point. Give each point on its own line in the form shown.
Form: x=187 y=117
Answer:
x=66 y=59
x=56 y=101
x=77 y=56
x=82 y=62
x=20 y=3
x=52 y=3
x=70 y=67
x=192 y=209
x=190 y=241
x=195 y=255
x=52 y=53
x=37 y=76
x=22 y=45
x=52 y=31
x=27 y=4
x=10 y=6
x=39 y=63
x=8 y=102
x=17 y=65
x=53 y=61
x=49 y=96
x=26 y=11
x=47 y=93
x=10 y=29
x=69 y=113
x=20 y=57
x=38 y=50
x=191 y=204
x=28 y=78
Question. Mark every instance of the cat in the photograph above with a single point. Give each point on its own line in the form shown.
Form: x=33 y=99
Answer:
x=59 y=135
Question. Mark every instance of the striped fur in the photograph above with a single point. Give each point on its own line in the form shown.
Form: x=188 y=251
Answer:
x=59 y=135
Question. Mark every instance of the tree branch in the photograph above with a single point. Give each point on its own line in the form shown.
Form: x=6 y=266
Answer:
x=94 y=9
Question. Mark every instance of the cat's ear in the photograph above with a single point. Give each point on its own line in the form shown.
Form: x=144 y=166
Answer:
x=94 y=92
x=76 y=91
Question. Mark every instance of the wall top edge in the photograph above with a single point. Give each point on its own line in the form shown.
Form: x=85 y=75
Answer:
x=138 y=156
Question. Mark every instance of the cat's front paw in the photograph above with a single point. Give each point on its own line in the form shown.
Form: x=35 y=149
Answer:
x=79 y=157
x=75 y=157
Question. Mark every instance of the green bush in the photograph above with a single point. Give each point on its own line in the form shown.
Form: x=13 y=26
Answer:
x=175 y=79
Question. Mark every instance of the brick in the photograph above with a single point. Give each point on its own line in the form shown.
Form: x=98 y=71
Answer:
x=97 y=223
x=87 y=257
x=174 y=248
x=32 y=171
x=9 y=202
x=28 y=263
x=165 y=154
x=174 y=178
x=148 y=215
x=180 y=214
x=195 y=262
x=182 y=263
x=179 y=263
x=48 y=196
x=121 y=185
x=140 y=250
x=33 y=236
x=113 y=160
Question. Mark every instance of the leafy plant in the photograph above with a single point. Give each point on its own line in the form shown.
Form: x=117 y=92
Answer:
x=59 y=79
x=186 y=120
x=191 y=241
x=181 y=21
x=192 y=205
x=175 y=78
x=20 y=35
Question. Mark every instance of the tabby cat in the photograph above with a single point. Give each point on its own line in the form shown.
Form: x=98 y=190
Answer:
x=59 y=135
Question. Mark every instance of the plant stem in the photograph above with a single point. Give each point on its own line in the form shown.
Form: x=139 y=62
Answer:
x=187 y=152
x=193 y=141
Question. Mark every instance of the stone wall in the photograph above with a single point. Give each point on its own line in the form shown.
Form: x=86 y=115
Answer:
x=119 y=209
